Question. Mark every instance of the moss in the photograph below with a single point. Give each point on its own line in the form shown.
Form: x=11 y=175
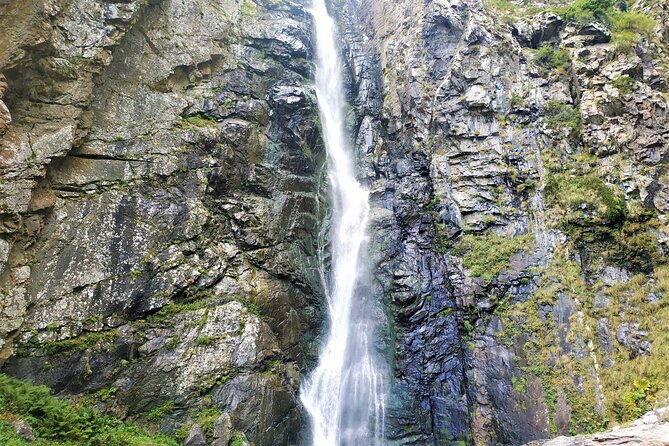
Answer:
x=172 y=309
x=197 y=120
x=98 y=341
x=486 y=255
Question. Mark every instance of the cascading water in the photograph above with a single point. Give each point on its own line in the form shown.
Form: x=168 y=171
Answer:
x=345 y=395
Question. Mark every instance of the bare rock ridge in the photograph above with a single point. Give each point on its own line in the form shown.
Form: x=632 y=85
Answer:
x=163 y=199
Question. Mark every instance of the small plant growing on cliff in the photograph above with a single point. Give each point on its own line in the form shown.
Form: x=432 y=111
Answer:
x=205 y=340
x=551 y=58
x=157 y=413
x=249 y=9
x=516 y=101
x=239 y=440
x=624 y=84
x=561 y=115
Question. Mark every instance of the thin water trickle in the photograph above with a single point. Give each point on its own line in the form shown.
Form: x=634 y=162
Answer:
x=345 y=395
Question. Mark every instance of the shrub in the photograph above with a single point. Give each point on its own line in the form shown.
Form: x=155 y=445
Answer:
x=53 y=419
x=584 y=11
x=560 y=115
x=633 y=22
x=629 y=28
x=549 y=57
x=624 y=84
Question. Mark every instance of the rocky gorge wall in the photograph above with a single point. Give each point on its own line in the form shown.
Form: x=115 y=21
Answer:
x=163 y=198
x=517 y=162
x=161 y=189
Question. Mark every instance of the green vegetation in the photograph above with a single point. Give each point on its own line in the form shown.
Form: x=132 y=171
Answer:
x=197 y=120
x=551 y=58
x=206 y=418
x=486 y=255
x=172 y=309
x=157 y=413
x=58 y=423
x=584 y=200
x=561 y=115
x=239 y=440
x=628 y=27
x=97 y=340
x=633 y=383
x=516 y=101
x=248 y=9
x=172 y=343
x=637 y=247
x=205 y=340
x=586 y=11
x=624 y=84
x=539 y=329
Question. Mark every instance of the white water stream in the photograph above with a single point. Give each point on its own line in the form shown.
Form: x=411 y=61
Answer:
x=345 y=395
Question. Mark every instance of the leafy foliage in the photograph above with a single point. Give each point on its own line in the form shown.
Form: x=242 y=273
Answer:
x=58 y=422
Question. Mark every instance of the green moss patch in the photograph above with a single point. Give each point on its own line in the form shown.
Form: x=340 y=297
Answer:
x=486 y=255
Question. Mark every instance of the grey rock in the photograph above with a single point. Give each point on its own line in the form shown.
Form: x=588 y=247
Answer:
x=633 y=339
x=196 y=436
x=23 y=430
x=222 y=430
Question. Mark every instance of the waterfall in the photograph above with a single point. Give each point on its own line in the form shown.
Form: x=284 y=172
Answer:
x=345 y=395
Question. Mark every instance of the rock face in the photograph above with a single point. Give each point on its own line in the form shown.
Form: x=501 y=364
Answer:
x=162 y=200
x=650 y=430
x=521 y=228
x=160 y=190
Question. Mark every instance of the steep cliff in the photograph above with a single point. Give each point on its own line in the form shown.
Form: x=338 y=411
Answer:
x=162 y=200
x=517 y=161
x=160 y=195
